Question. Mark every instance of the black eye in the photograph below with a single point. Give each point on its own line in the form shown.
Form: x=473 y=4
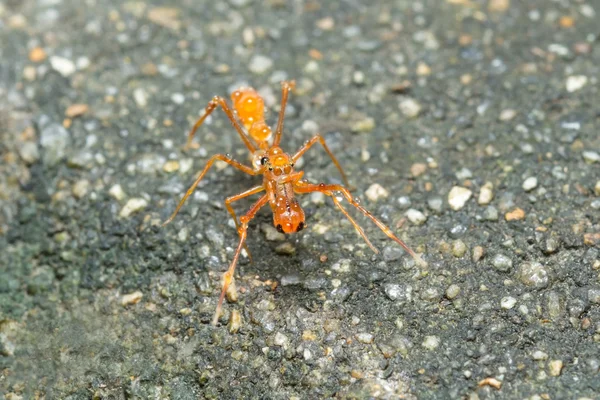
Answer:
x=279 y=228
x=264 y=160
x=300 y=227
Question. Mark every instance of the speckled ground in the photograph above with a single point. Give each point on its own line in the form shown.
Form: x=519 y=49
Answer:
x=470 y=127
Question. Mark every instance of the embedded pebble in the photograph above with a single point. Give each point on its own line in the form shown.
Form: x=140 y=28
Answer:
x=398 y=292
x=576 y=82
x=478 y=253
x=55 y=141
x=452 y=291
x=141 y=97
x=463 y=174
x=459 y=248
x=491 y=214
x=365 y=338
x=431 y=342
x=410 y=108
x=486 y=195
x=376 y=191
x=594 y=295
x=418 y=169
x=530 y=183
x=515 y=215
x=80 y=188
x=435 y=203
x=597 y=188
x=502 y=263
x=458 y=197
x=29 y=152
x=539 y=355
x=131 y=298
x=364 y=125
x=280 y=340
x=404 y=202
x=416 y=216
x=116 y=191
x=235 y=321
x=62 y=65
x=260 y=64
x=591 y=157
x=508 y=302
x=555 y=367
x=533 y=274
x=132 y=206
x=271 y=233
x=285 y=248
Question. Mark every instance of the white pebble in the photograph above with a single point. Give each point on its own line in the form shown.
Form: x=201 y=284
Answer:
x=410 y=108
x=141 y=97
x=116 y=191
x=508 y=302
x=539 y=355
x=132 y=206
x=416 y=216
x=260 y=64
x=131 y=298
x=64 y=66
x=591 y=157
x=458 y=197
x=376 y=191
x=486 y=195
x=431 y=342
x=576 y=82
x=530 y=183
x=177 y=98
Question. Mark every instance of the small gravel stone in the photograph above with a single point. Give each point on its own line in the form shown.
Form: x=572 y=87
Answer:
x=30 y=154
x=286 y=249
x=365 y=338
x=398 y=292
x=178 y=98
x=392 y=253
x=463 y=174
x=116 y=191
x=576 y=82
x=410 y=108
x=555 y=367
x=364 y=125
x=376 y=191
x=235 y=321
x=141 y=97
x=530 y=183
x=597 y=188
x=539 y=355
x=502 y=263
x=55 y=141
x=435 y=203
x=486 y=195
x=416 y=216
x=491 y=214
x=431 y=342
x=131 y=298
x=591 y=157
x=452 y=291
x=80 y=188
x=280 y=340
x=404 y=202
x=418 y=169
x=62 y=65
x=478 y=253
x=459 y=248
x=533 y=274
x=458 y=197
x=260 y=64
x=517 y=214
x=132 y=206
x=594 y=295
x=271 y=233
x=508 y=302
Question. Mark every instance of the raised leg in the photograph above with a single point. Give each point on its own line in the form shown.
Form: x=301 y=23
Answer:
x=320 y=139
x=210 y=162
x=286 y=86
x=302 y=187
x=229 y=200
x=219 y=101
x=243 y=232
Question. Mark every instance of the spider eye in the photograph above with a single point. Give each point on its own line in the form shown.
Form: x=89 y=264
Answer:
x=264 y=160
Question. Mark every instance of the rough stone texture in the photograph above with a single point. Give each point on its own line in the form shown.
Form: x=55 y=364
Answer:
x=484 y=94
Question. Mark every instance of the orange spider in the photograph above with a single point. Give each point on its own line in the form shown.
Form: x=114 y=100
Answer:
x=280 y=181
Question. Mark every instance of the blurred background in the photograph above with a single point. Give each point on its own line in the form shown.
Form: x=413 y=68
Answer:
x=469 y=127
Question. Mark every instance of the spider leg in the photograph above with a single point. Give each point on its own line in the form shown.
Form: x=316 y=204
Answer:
x=320 y=139
x=302 y=187
x=231 y=199
x=243 y=232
